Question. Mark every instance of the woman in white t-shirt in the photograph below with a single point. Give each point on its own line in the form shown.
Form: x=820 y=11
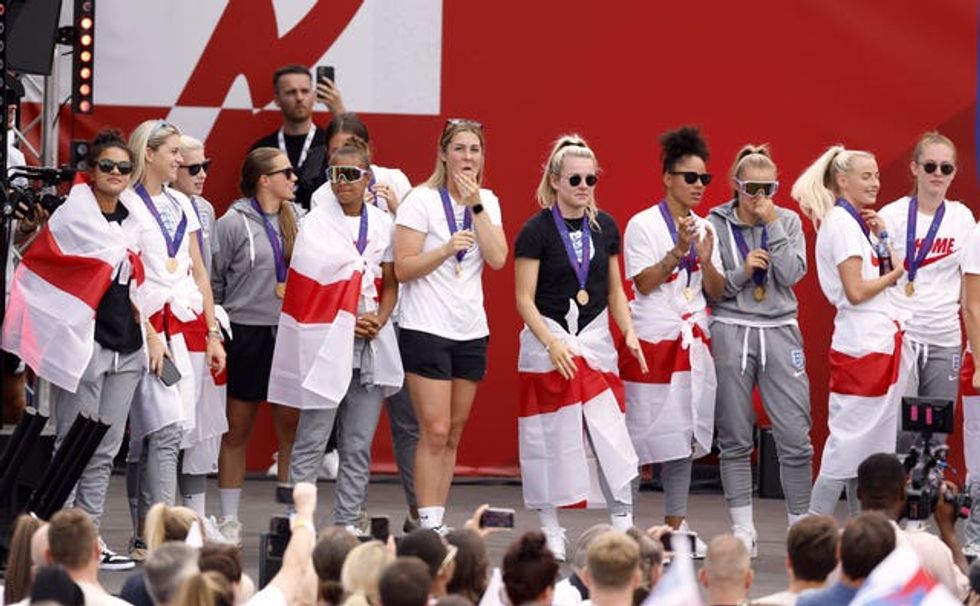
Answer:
x=866 y=381
x=970 y=386
x=446 y=230
x=178 y=303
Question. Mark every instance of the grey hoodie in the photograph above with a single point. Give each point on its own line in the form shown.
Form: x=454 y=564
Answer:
x=787 y=248
x=243 y=275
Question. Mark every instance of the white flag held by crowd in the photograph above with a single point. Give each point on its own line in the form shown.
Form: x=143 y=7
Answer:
x=901 y=579
x=678 y=586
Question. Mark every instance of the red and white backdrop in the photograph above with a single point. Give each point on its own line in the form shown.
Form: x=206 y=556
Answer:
x=799 y=75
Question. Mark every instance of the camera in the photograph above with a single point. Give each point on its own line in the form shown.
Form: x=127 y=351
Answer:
x=927 y=416
x=29 y=187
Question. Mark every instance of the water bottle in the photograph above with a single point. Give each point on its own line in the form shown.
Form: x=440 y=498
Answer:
x=884 y=254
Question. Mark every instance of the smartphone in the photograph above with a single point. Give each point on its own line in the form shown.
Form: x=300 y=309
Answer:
x=380 y=528
x=495 y=517
x=325 y=72
x=170 y=375
x=666 y=540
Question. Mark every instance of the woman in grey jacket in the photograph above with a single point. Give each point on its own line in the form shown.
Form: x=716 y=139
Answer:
x=756 y=339
x=251 y=247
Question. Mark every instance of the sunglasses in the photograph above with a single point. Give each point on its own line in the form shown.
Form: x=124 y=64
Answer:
x=289 y=173
x=107 y=166
x=347 y=174
x=161 y=124
x=945 y=168
x=691 y=177
x=576 y=180
x=451 y=122
x=193 y=169
x=754 y=188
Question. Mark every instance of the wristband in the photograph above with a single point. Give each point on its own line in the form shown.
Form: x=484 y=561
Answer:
x=300 y=522
x=477 y=208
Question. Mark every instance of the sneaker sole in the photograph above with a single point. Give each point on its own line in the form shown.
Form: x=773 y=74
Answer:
x=117 y=566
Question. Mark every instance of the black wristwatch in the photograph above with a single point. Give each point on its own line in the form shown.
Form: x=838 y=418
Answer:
x=477 y=208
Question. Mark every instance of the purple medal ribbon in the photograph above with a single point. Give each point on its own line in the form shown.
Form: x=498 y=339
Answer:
x=856 y=215
x=173 y=244
x=277 y=249
x=915 y=258
x=371 y=184
x=447 y=206
x=362 y=230
x=688 y=261
x=581 y=268
x=759 y=275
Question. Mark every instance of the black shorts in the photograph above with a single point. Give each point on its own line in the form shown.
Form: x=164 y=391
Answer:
x=249 y=354
x=434 y=357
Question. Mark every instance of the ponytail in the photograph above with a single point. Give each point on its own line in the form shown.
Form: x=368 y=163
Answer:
x=816 y=189
x=751 y=156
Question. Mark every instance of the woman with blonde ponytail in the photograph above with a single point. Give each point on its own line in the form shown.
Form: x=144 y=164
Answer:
x=361 y=571
x=206 y=589
x=567 y=284
x=867 y=377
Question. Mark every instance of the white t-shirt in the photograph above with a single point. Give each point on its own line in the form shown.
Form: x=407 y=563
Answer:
x=646 y=242
x=392 y=177
x=935 y=306
x=445 y=303
x=379 y=244
x=838 y=239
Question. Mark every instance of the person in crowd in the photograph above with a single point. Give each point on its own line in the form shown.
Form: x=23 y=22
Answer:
x=206 y=589
x=362 y=240
x=166 y=568
x=361 y=571
x=811 y=555
x=299 y=138
x=727 y=572
x=567 y=287
x=674 y=264
x=867 y=539
x=18 y=576
x=332 y=547
x=438 y=555
x=881 y=487
x=405 y=582
x=253 y=246
x=756 y=340
x=970 y=385
x=651 y=563
x=571 y=589
x=55 y=586
x=73 y=542
x=446 y=230
x=867 y=377
x=530 y=570
x=471 y=575
x=227 y=560
x=164 y=524
x=612 y=569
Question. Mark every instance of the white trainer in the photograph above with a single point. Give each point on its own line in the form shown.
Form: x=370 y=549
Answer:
x=555 y=538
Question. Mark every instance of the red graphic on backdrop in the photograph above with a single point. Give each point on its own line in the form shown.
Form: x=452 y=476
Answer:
x=257 y=50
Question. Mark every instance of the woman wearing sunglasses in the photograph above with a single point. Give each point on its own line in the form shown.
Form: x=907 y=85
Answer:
x=179 y=304
x=253 y=244
x=191 y=175
x=360 y=357
x=567 y=285
x=867 y=377
x=446 y=230
x=673 y=261
x=756 y=340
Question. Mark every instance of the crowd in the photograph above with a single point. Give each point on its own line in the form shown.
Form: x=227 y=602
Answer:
x=332 y=288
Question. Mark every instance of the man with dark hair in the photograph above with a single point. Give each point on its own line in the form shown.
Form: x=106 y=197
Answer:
x=811 y=555
x=303 y=142
x=73 y=543
x=612 y=569
x=405 y=582
x=881 y=487
x=866 y=541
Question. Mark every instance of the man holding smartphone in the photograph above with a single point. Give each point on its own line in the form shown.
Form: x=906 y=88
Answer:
x=299 y=137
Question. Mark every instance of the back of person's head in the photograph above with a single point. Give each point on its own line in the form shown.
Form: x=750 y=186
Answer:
x=72 y=538
x=52 y=584
x=881 y=482
x=811 y=547
x=866 y=541
x=168 y=523
x=361 y=572
x=206 y=589
x=581 y=545
x=651 y=561
x=470 y=577
x=529 y=569
x=332 y=547
x=166 y=568
x=727 y=564
x=405 y=582
x=18 y=576
x=612 y=561
x=427 y=546
x=223 y=558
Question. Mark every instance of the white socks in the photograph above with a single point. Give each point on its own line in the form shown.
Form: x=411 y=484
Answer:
x=431 y=517
x=793 y=518
x=621 y=521
x=229 y=499
x=742 y=516
x=196 y=502
x=549 y=518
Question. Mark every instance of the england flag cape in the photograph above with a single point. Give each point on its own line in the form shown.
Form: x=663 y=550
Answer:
x=558 y=467
x=50 y=321
x=313 y=360
x=202 y=444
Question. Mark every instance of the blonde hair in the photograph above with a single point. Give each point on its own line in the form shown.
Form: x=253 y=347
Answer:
x=166 y=523
x=150 y=134
x=206 y=589
x=189 y=144
x=438 y=177
x=816 y=190
x=930 y=138
x=566 y=145
x=751 y=156
x=361 y=572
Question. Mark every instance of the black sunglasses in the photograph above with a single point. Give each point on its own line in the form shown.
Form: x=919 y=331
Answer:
x=945 y=168
x=193 y=169
x=576 y=180
x=289 y=173
x=691 y=177
x=107 y=166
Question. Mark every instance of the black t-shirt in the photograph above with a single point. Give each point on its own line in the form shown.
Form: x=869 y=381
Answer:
x=557 y=282
x=116 y=324
x=312 y=174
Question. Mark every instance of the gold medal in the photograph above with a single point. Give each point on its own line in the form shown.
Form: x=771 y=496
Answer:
x=688 y=294
x=171 y=264
x=280 y=289
x=759 y=293
x=582 y=297
x=909 y=289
